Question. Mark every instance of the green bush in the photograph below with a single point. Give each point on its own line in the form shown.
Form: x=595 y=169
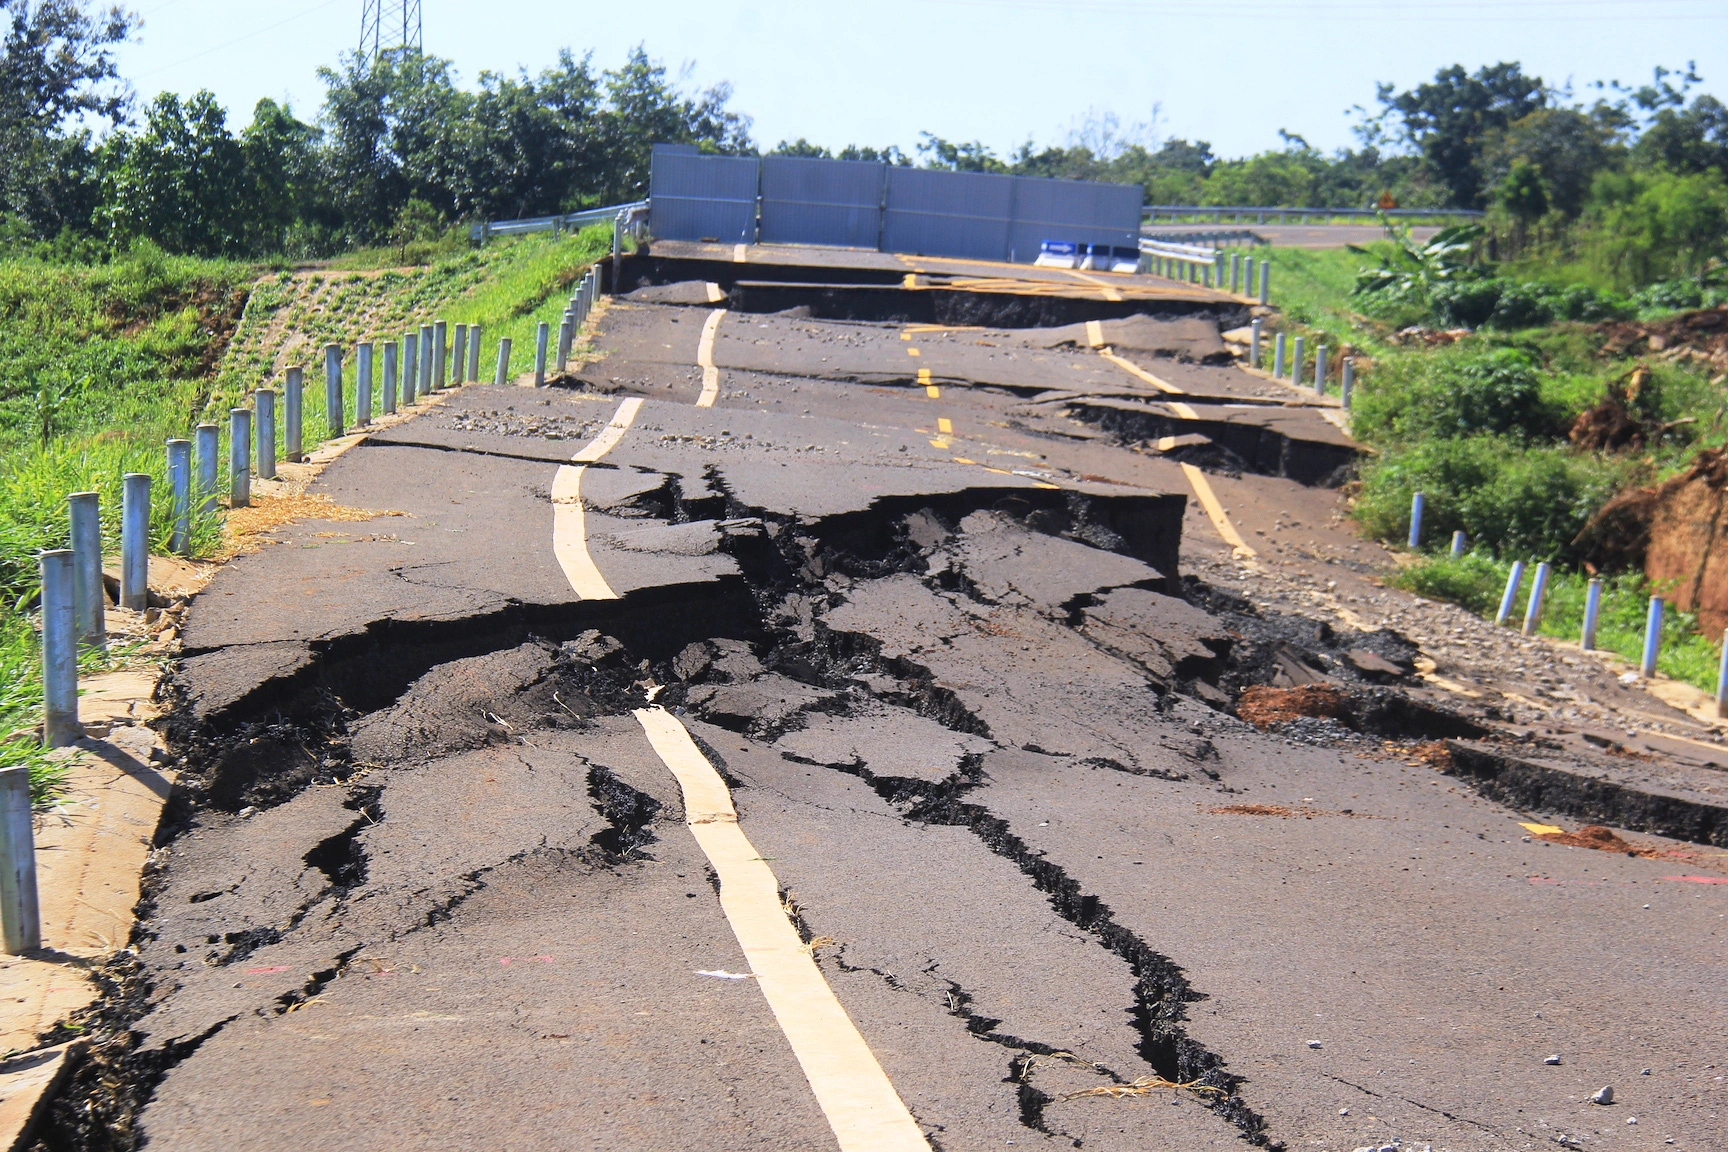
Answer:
x=1464 y=303
x=1459 y=391
x=1512 y=499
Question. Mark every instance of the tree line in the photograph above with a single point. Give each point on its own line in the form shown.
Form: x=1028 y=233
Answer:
x=399 y=150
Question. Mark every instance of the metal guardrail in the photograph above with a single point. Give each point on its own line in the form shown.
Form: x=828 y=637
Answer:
x=485 y=231
x=1215 y=237
x=1176 y=213
x=1181 y=253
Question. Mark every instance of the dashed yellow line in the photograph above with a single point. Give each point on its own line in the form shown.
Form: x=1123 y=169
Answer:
x=1138 y=372
x=1094 y=334
x=1108 y=292
x=860 y=1102
x=930 y=388
x=944 y=426
x=1209 y=501
x=715 y=293
x=913 y=352
x=738 y=253
x=910 y=281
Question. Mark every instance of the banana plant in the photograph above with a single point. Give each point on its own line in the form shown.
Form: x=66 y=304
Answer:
x=1408 y=267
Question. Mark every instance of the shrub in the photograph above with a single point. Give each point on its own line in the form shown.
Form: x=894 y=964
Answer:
x=1513 y=500
x=1524 y=304
x=1464 y=303
x=1459 y=391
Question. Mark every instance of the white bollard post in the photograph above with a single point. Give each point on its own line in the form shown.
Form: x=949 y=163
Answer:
x=60 y=725
x=1459 y=540
x=206 y=441
x=564 y=344
x=392 y=360
x=20 y=910
x=135 y=541
x=426 y=354
x=239 y=458
x=503 y=374
x=474 y=352
x=1348 y=382
x=410 y=367
x=362 y=385
x=1298 y=354
x=1652 y=637
x=1265 y=281
x=1417 y=502
x=440 y=351
x=1254 y=330
x=459 y=353
x=1538 y=589
x=1320 y=370
x=1278 y=345
x=180 y=490
x=264 y=400
x=333 y=414
x=294 y=415
x=540 y=334
x=1592 y=610
x=1235 y=273
x=1510 y=596
x=89 y=600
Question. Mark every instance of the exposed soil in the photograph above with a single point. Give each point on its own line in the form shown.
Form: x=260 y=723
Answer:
x=1263 y=707
x=1701 y=337
x=1675 y=532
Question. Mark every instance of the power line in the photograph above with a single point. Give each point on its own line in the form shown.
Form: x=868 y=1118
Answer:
x=236 y=40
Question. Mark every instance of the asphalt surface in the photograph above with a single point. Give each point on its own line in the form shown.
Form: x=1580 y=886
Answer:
x=925 y=599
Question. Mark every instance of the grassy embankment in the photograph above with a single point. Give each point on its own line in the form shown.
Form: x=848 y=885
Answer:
x=100 y=365
x=1479 y=426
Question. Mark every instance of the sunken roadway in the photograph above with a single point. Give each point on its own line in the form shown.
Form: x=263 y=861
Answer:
x=956 y=614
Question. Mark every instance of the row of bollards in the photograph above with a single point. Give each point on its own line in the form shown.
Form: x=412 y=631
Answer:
x=1200 y=272
x=74 y=602
x=1592 y=607
x=1291 y=366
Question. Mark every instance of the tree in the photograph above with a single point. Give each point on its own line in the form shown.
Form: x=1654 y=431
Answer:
x=645 y=109
x=1450 y=120
x=1651 y=225
x=952 y=157
x=1567 y=146
x=1691 y=139
x=181 y=181
x=57 y=80
x=286 y=190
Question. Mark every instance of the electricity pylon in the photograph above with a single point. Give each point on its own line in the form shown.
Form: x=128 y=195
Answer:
x=386 y=25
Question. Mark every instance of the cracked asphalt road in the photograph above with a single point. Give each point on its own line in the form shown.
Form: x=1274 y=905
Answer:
x=431 y=886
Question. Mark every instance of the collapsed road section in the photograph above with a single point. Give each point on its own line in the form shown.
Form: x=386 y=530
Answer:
x=806 y=730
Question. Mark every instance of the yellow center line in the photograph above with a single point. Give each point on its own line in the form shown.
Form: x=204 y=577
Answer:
x=738 y=253
x=1209 y=501
x=705 y=360
x=944 y=426
x=911 y=281
x=715 y=294
x=913 y=352
x=1165 y=443
x=1184 y=410
x=1094 y=334
x=861 y=1104
x=1138 y=372
x=569 y=524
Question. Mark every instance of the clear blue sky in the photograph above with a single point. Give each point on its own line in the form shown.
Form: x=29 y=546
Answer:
x=1229 y=71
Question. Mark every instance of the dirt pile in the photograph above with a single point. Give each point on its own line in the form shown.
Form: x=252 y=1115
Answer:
x=1263 y=707
x=1677 y=532
x=1597 y=837
x=1701 y=337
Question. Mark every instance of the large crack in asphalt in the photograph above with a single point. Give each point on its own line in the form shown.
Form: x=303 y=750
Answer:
x=296 y=732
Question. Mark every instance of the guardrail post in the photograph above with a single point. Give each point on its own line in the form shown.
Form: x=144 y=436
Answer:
x=1235 y=273
x=1296 y=357
x=239 y=457
x=1265 y=281
x=392 y=359
x=60 y=725
x=540 y=333
x=1278 y=344
x=1459 y=540
x=410 y=367
x=1205 y=275
x=474 y=352
x=362 y=385
x=440 y=350
x=89 y=601
x=294 y=415
x=264 y=400
x=333 y=414
x=459 y=353
x=1320 y=369
x=425 y=385
x=1348 y=381
x=206 y=442
x=1417 y=503
x=564 y=343
x=1592 y=611
x=1652 y=637
x=135 y=541
x=1254 y=343
x=1538 y=589
x=503 y=373
x=20 y=909
x=1510 y=596
x=1248 y=276
x=1722 y=681
x=180 y=492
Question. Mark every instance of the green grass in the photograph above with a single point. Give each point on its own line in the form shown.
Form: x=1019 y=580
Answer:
x=1477 y=581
